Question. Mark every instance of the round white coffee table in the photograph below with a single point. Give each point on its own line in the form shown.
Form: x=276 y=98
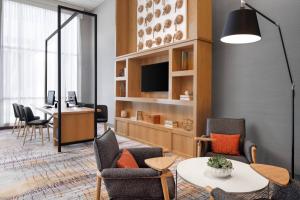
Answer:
x=243 y=179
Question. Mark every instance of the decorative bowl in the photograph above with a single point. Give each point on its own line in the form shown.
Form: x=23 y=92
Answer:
x=219 y=173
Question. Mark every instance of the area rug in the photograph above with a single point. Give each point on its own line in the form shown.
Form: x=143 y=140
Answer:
x=36 y=171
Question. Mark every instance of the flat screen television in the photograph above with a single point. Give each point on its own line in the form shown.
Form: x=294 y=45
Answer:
x=155 y=77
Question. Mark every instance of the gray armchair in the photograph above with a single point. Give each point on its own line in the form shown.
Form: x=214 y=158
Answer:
x=227 y=126
x=289 y=192
x=128 y=184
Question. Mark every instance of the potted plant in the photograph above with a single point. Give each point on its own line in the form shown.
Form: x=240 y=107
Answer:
x=219 y=166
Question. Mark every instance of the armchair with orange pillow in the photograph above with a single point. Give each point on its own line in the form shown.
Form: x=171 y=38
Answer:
x=125 y=173
x=226 y=136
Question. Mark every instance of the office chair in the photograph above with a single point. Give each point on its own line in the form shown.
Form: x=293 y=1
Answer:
x=102 y=115
x=22 y=119
x=17 y=117
x=30 y=121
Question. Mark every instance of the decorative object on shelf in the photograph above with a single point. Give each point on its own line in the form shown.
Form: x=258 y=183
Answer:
x=167 y=24
x=141 y=8
x=154 y=119
x=149 y=30
x=149 y=4
x=178 y=20
x=157 y=27
x=124 y=114
x=218 y=166
x=188 y=96
x=139 y=115
x=140 y=45
x=184 y=60
x=178 y=36
x=156 y=2
x=149 y=43
x=187 y=124
x=141 y=20
x=178 y=5
x=150 y=13
x=188 y=92
x=167 y=9
x=121 y=72
x=234 y=33
x=171 y=124
x=141 y=33
x=158 y=41
x=122 y=89
x=168 y=39
x=157 y=13
x=148 y=18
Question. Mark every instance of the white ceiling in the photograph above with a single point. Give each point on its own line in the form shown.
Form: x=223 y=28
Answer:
x=87 y=4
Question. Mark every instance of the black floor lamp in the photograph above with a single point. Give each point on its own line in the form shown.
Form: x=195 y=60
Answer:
x=241 y=28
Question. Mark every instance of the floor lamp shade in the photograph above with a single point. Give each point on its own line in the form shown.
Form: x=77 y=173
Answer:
x=241 y=27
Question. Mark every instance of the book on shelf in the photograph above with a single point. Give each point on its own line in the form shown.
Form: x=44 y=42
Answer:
x=171 y=124
x=186 y=97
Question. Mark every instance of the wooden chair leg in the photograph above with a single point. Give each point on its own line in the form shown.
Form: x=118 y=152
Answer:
x=24 y=130
x=253 y=153
x=98 y=188
x=25 y=136
x=164 y=185
x=15 y=124
x=20 y=127
x=48 y=132
x=41 y=132
x=34 y=132
x=32 y=128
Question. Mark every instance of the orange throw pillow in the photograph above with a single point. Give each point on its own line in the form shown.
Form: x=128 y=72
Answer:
x=225 y=144
x=127 y=160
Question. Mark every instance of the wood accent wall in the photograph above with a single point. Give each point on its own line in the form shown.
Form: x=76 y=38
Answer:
x=196 y=78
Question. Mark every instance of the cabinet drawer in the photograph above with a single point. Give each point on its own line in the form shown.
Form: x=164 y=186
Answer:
x=121 y=127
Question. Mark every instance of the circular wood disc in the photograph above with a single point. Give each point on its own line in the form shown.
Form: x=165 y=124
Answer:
x=167 y=9
x=157 y=13
x=149 y=43
x=140 y=20
x=141 y=8
x=167 y=38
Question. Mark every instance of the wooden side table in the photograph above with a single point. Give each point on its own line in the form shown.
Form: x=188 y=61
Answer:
x=276 y=175
x=162 y=164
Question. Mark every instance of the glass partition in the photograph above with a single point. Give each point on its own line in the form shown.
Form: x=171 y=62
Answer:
x=71 y=71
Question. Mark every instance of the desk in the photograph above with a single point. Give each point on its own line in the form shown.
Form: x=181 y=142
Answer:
x=77 y=124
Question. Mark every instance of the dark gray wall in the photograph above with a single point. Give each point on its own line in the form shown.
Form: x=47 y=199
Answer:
x=251 y=81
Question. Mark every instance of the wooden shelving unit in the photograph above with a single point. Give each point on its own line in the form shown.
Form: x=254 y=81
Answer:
x=157 y=101
x=189 y=69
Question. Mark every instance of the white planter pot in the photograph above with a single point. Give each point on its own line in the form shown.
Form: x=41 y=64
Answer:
x=219 y=173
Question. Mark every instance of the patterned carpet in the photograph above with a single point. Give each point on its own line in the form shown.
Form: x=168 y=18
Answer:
x=36 y=171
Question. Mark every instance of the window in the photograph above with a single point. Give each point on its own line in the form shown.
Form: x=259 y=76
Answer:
x=24 y=29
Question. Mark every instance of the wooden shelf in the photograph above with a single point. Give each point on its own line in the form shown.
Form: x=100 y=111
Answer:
x=154 y=100
x=156 y=50
x=189 y=70
x=183 y=73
